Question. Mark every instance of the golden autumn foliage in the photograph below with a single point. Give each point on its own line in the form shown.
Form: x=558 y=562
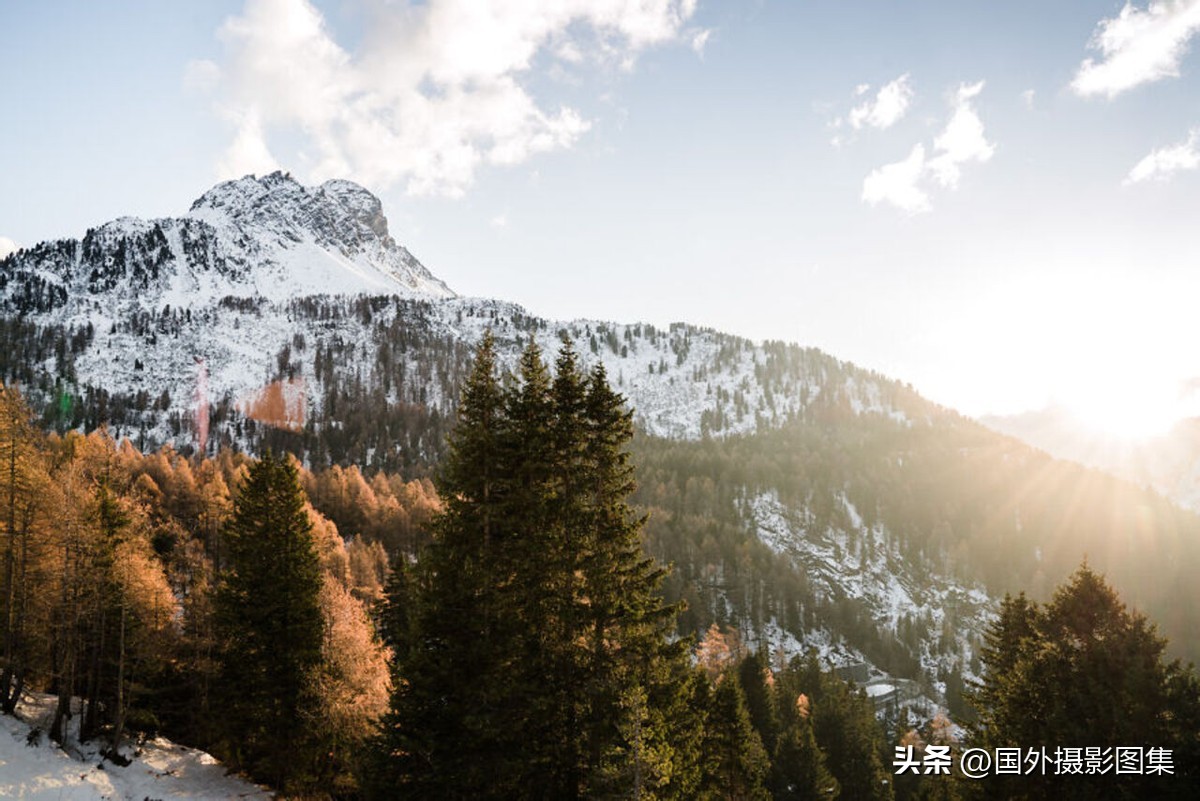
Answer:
x=719 y=650
x=109 y=559
x=353 y=679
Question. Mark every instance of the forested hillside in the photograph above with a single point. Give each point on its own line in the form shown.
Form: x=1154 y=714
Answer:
x=787 y=447
x=211 y=600
x=208 y=599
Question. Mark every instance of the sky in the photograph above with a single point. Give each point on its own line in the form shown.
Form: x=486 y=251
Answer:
x=996 y=202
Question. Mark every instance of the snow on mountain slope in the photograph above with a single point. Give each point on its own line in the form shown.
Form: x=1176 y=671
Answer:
x=331 y=239
x=682 y=383
x=262 y=276
x=850 y=561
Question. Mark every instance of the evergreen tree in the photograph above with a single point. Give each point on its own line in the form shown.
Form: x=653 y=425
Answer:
x=619 y=611
x=395 y=612
x=1084 y=671
x=449 y=732
x=853 y=741
x=736 y=764
x=1006 y=704
x=758 y=685
x=269 y=622
x=538 y=659
x=538 y=518
x=798 y=769
x=798 y=765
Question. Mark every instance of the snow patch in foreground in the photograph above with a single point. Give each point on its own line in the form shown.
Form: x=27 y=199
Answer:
x=159 y=768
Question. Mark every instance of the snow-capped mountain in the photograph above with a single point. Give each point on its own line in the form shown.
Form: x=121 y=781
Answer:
x=263 y=279
x=267 y=238
x=301 y=241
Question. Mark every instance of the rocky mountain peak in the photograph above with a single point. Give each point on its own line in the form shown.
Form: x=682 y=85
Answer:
x=337 y=213
x=266 y=237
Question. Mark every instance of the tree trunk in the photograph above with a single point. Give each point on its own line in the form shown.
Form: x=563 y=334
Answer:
x=119 y=723
x=91 y=717
x=7 y=702
x=65 y=651
x=13 y=681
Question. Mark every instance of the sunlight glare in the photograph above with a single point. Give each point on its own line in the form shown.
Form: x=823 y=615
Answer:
x=1129 y=411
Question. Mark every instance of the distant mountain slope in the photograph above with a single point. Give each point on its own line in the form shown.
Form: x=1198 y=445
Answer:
x=1169 y=462
x=898 y=539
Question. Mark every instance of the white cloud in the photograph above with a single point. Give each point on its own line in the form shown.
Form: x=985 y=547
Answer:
x=248 y=153
x=1027 y=98
x=903 y=183
x=961 y=141
x=897 y=183
x=499 y=222
x=889 y=106
x=1138 y=46
x=700 y=40
x=7 y=246
x=433 y=92
x=1163 y=163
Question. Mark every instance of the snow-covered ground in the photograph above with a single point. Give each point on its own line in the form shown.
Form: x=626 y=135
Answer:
x=32 y=767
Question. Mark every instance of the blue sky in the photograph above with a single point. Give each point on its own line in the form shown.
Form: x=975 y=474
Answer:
x=994 y=201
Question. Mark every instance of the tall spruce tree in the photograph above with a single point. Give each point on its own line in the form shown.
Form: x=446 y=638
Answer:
x=538 y=663
x=269 y=623
x=846 y=728
x=798 y=769
x=758 y=686
x=1006 y=707
x=448 y=733
x=622 y=624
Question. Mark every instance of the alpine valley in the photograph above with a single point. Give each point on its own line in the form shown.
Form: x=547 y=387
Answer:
x=804 y=501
